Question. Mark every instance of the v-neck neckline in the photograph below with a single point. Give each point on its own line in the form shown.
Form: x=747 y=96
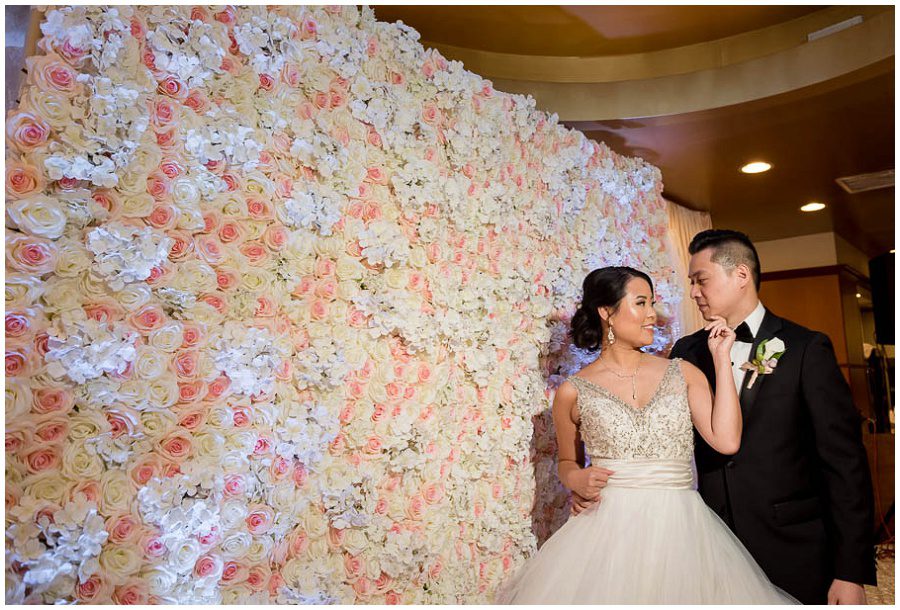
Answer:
x=625 y=403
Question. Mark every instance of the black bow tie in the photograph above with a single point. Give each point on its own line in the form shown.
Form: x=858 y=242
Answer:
x=742 y=333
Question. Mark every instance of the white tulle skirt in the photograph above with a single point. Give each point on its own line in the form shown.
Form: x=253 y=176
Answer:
x=650 y=540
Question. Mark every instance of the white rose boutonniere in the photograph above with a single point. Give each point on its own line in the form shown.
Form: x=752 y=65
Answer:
x=767 y=354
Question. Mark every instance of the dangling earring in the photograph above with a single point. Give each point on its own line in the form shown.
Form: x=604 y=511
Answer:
x=610 y=336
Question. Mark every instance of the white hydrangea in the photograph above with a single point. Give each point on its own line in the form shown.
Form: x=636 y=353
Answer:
x=383 y=243
x=312 y=207
x=306 y=433
x=124 y=254
x=86 y=349
x=249 y=356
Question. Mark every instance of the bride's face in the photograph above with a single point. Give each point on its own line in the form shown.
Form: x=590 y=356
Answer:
x=634 y=318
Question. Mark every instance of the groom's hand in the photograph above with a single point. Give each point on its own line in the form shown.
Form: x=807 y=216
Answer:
x=846 y=593
x=580 y=504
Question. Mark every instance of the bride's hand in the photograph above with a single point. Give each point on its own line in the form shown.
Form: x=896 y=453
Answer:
x=588 y=482
x=721 y=339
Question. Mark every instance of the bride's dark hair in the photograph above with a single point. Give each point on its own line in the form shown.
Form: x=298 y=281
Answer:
x=604 y=287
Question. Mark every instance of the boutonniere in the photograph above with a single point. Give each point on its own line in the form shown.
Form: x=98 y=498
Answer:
x=767 y=354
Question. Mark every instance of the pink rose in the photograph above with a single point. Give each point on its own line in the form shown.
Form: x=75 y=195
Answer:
x=263 y=446
x=52 y=400
x=258 y=578
x=259 y=209
x=275 y=237
x=17 y=325
x=147 y=467
x=206 y=566
x=190 y=391
x=162 y=217
x=255 y=252
x=186 y=363
x=377 y=175
x=18 y=362
x=152 y=545
x=325 y=267
x=353 y=565
x=299 y=475
x=433 y=492
x=197 y=101
x=53 y=430
x=148 y=318
x=123 y=529
x=42 y=459
x=29 y=254
x=26 y=131
x=266 y=82
x=191 y=420
x=235 y=485
x=218 y=387
x=265 y=307
x=373 y=445
x=94 y=590
x=176 y=446
x=158 y=185
x=22 y=179
x=363 y=587
x=392 y=598
x=164 y=113
x=260 y=519
x=318 y=309
x=173 y=87
x=133 y=592
x=234 y=572
x=89 y=489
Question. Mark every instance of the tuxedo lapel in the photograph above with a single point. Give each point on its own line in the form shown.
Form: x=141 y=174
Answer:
x=770 y=325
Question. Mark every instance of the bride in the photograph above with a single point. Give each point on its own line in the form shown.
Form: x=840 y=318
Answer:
x=651 y=539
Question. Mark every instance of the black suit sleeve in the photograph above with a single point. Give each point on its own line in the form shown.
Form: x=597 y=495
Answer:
x=679 y=350
x=838 y=438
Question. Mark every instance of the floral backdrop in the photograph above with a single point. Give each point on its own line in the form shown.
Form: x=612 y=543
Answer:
x=286 y=298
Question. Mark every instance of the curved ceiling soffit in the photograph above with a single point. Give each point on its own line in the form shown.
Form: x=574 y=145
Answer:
x=738 y=69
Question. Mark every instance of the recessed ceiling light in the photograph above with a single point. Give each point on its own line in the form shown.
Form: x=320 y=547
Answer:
x=858 y=296
x=892 y=250
x=756 y=167
x=815 y=206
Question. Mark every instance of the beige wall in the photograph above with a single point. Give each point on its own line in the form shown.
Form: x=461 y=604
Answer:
x=806 y=251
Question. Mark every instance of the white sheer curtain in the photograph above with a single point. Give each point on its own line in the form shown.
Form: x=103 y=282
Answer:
x=683 y=225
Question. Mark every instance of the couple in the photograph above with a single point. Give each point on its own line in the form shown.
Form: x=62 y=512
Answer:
x=784 y=512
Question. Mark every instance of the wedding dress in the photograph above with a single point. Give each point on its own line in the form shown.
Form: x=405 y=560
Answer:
x=651 y=539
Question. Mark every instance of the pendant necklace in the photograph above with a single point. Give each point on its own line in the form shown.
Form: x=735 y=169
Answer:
x=632 y=375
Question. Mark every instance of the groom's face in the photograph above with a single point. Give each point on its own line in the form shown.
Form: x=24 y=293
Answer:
x=715 y=291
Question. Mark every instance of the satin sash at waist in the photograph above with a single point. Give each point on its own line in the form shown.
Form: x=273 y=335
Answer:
x=648 y=474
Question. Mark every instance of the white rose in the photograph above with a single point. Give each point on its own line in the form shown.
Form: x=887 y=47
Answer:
x=236 y=545
x=137 y=206
x=116 y=492
x=38 y=215
x=81 y=463
x=49 y=486
x=18 y=399
x=120 y=561
x=72 y=260
x=133 y=296
x=259 y=549
x=185 y=554
x=283 y=498
x=163 y=391
x=233 y=513
x=773 y=346
x=160 y=581
x=169 y=337
x=151 y=363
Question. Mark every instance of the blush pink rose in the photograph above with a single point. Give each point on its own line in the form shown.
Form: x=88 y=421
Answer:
x=255 y=253
x=43 y=459
x=275 y=237
x=123 y=529
x=22 y=179
x=52 y=430
x=176 y=446
x=260 y=519
x=52 y=400
x=147 y=467
x=258 y=578
x=148 y=318
x=31 y=254
x=173 y=87
x=26 y=131
x=93 y=590
x=134 y=592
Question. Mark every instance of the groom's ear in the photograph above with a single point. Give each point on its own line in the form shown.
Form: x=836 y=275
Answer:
x=744 y=274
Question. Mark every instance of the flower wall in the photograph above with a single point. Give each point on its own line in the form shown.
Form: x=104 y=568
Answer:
x=286 y=297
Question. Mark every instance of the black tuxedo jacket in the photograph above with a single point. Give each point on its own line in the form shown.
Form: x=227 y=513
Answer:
x=798 y=494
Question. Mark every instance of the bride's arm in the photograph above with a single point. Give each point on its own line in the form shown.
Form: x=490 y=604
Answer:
x=717 y=418
x=586 y=482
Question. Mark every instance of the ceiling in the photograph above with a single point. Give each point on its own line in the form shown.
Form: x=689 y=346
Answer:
x=812 y=136
x=583 y=30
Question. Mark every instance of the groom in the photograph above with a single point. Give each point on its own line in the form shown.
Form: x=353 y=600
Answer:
x=798 y=493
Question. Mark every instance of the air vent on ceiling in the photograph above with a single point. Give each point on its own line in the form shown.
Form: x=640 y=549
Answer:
x=867 y=182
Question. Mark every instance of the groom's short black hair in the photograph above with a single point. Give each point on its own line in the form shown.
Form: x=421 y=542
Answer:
x=730 y=249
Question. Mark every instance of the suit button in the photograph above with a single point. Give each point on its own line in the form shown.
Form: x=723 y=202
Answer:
x=730 y=464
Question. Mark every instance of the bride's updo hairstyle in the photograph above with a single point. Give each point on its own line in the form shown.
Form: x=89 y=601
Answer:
x=604 y=287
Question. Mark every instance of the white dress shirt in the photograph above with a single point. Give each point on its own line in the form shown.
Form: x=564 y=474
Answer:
x=740 y=351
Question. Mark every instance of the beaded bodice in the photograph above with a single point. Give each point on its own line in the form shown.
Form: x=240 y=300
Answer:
x=611 y=428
